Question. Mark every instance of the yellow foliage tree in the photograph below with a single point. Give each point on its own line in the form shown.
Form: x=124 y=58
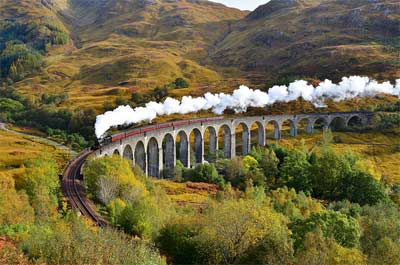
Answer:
x=14 y=206
x=319 y=250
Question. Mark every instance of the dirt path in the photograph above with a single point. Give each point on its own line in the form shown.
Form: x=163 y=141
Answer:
x=40 y=139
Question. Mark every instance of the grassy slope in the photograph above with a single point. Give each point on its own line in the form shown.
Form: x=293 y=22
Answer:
x=16 y=149
x=322 y=38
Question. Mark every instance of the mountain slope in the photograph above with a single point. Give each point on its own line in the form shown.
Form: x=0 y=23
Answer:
x=317 y=38
x=131 y=45
x=99 y=50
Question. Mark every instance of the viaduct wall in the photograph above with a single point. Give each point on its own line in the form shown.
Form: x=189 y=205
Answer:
x=157 y=151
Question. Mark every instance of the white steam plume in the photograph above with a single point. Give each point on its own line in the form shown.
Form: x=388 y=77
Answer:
x=244 y=97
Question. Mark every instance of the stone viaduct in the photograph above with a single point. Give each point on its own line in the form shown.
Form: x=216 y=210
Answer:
x=156 y=148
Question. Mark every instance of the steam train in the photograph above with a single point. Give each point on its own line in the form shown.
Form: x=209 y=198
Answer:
x=146 y=129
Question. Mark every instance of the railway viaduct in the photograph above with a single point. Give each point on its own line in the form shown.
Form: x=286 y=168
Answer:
x=157 y=150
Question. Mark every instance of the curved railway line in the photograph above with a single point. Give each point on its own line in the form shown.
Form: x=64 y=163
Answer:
x=73 y=189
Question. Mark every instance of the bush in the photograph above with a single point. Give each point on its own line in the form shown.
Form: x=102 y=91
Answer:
x=204 y=173
x=180 y=83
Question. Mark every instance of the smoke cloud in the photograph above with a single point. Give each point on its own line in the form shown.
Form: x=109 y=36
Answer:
x=244 y=97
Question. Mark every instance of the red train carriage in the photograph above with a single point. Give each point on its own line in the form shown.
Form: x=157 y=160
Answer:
x=156 y=127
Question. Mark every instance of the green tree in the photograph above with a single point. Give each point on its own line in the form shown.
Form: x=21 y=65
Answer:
x=327 y=171
x=159 y=93
x=141 y=218
x=234 y=171
x=295 y=171
x=294 y=205
x=180 y=83
x=268 y=163
x=344 y=229
x=205 y=173
x=177 y=239
x=380 y=224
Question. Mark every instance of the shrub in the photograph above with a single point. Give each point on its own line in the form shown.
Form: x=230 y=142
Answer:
x=41 y=184
x=73 y=242
x=204 y=173
x=180 y=83
x=14 y=206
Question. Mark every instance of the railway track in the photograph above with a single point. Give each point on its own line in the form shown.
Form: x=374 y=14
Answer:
x=74 y=191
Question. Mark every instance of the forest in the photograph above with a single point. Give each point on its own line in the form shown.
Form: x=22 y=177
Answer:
x=277 y=205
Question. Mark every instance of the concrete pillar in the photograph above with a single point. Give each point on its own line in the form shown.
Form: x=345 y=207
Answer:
x=213 y=141
x=227 y=142
x=169 y=153
x=246 y=141
x=160 y=162
x=198 y=147
x=140 y=157
x=293 y=130
x=153 y=159
x=261 y=135
x=277 y=133
x=232 y=145
x=310 y=128
x=184 y=149
x=188 y=154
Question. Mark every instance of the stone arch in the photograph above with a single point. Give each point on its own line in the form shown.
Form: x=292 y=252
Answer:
x=257 y=132
x=320 y=123
x=225 y=140
x=274 y=127
x=116 y=152
x=354 y=121
x=182 y=148
x=210 y=149
x=140 y=156
x=168 y=155
x=128 y=153
x=288 y=127
x=304 y=125
x=338 y=123
x=242 y=133
x=153 y=168
x=197 y=146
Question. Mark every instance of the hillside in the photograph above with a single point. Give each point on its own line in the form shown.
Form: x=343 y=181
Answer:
x=316 y=38
x=127 y=45
x=96 y=52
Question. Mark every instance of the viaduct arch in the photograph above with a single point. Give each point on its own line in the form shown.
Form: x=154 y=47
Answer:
x=157 y=148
